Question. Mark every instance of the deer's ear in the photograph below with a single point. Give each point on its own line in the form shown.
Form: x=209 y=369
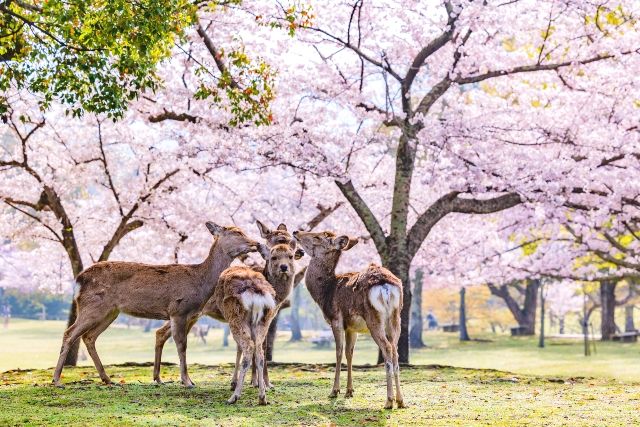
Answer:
x=264 y=251
x=264 y=231
x=352 y=242
x=282 y=227
x=341 y=242
x=214 y=229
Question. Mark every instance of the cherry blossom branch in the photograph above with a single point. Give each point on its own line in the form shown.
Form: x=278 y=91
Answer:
x=366 y=215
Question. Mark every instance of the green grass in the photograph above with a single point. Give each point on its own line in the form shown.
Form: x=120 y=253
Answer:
x=436 y=396
x=525 y=385
x=34 y=344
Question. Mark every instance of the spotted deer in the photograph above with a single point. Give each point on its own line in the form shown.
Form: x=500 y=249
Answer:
x=365 y=301
x=176 y=292
x=272 y=237
x=249 y=301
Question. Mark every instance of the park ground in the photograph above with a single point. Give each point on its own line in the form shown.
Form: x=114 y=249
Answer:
x=497 y=381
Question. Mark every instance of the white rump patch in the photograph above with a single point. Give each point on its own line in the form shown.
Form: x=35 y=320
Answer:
x=384 y=298
x=256 y=304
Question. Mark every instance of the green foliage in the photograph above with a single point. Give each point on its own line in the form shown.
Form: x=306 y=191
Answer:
x=90 y=55
x=30 y=305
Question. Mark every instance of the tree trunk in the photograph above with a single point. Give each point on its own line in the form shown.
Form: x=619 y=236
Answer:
x=561 y=323
x=608 y=306
x=525 y=315
x=271 y=337
x=225 y=335
x=415 y=334
x=296 y=333
x=629 y=326
x=464 y=335
x=542 y=300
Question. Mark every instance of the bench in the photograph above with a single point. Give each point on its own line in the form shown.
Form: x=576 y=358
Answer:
x=324 y=339
x=626 y=337
x=451 y=327
x=518 y=331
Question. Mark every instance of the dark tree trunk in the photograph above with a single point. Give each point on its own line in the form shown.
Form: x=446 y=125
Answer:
x=542 y=301
x=608 y=306
x=225 y=335
x=464 y=335
x=629 y=325
x=271 y=337
x=415 y=334
x=525 y=315
x=296 y=333
x=561 y=323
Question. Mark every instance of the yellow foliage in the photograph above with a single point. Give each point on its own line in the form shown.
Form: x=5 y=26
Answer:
x=509 y=44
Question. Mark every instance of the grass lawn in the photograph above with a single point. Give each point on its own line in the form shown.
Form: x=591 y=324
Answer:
x=436 y=396
x=512 y=383
x=29 y=344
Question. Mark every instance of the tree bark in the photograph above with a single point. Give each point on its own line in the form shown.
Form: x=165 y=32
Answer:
x=561 y=323
x=415 y=333
x=629 y=325
x=525 y=315
x=464 y=335
x=542 y=301
x=296 y=333
x=607 y=311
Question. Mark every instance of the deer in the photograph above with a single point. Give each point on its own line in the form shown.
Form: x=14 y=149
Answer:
x=175 y=292
x=249 y=301
x=365 y=301
x=279 y=235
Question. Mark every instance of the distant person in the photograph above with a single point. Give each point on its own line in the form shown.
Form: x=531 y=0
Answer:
x=6 y=313
x=432 y=322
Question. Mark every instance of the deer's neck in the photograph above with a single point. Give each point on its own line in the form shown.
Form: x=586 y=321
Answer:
x=217 y=261
x=321 y=281
x=282 y=284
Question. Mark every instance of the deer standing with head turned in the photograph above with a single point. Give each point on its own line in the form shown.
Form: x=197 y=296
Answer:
x=249 y=301
x=273 y=237
x=366 y=301
x=176 y=292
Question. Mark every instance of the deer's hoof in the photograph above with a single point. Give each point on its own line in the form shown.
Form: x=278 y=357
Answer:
x=349 y=393
x=389 y=404
x=233 y=399
x=262 y=400
x=401 y=404
x=269 y=386
x=57 y=384
x=334 y=394
x=158 y=381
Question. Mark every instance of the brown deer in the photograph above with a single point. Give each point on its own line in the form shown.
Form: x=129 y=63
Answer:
x=273 y=237
x=249 y=301
x=176 y=292
x=366 y=301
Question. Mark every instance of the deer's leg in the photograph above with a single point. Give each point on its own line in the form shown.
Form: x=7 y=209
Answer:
x=254 y=378
x=179 y=331
x=379 y=336
x=260 y=334
x=267 y=383
x=82 y=324
x=234 y=378
x=395 y=336
x=242 y=335
x=90 y=338
x=162 y=335
x=338 y=335
x=350 y=344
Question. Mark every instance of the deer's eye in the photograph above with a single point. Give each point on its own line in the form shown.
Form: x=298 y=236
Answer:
x=273 y=258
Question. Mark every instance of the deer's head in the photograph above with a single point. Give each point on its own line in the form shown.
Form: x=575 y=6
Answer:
x=279 y=236
x=280 y=258
x=232 y=240
x=323 y=244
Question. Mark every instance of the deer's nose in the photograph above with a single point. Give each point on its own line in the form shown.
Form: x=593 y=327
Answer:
x=284 y=268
